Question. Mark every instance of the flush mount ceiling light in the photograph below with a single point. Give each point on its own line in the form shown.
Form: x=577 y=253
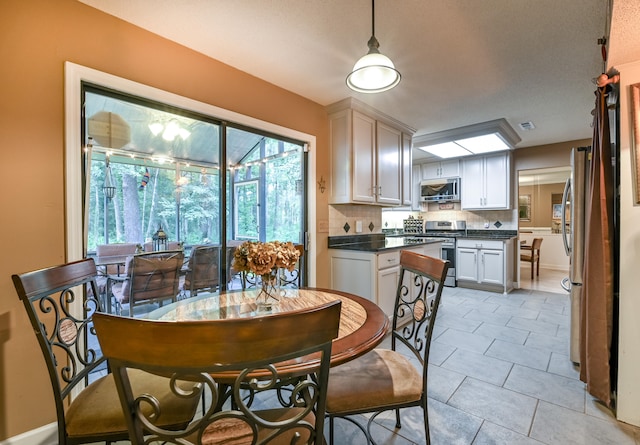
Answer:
x=485 y=137
x=374 y=72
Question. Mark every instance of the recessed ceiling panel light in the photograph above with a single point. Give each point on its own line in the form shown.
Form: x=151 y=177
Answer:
x=446 y=150
x=484 y=144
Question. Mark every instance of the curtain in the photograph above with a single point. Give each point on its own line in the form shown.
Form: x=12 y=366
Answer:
x=596 y=317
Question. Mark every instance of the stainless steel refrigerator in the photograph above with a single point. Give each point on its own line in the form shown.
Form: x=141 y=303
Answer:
x=574 y=198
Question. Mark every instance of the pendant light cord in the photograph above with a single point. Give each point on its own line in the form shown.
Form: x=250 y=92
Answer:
x=373 y=18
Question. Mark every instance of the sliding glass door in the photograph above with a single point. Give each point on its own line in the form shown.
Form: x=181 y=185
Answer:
x=149 y=167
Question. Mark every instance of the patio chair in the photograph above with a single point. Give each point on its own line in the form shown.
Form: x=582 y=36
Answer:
x=239 y=351
x=202 y=270
x=385 y=379
x=72 y=355
x=152 y=277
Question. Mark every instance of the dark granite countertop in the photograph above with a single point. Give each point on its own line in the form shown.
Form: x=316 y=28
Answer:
x=378 y=242
x=475 y=234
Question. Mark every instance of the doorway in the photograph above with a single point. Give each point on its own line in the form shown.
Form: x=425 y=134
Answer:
x=539 y=216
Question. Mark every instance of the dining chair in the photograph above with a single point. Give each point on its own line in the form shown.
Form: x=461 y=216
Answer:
x=73 y=356
x=152 y=277
x=202 y=270
x=239 y=352
x=531 y=254
x=387 y=379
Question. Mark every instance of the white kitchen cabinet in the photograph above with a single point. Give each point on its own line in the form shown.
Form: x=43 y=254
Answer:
x=388 y=154
x=370 y=156
x=415 y=184
x=407 y=171
x=484 y=262
x=441 y=169
x=486 y=182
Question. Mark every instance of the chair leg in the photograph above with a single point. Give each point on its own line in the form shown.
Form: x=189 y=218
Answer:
x=532 y=269
x=398 y=425
x=427 y=437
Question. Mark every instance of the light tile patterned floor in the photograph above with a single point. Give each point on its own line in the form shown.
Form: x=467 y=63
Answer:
x=500 y=374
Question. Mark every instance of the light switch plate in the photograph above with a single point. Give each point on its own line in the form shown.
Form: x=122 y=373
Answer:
x=358 y=226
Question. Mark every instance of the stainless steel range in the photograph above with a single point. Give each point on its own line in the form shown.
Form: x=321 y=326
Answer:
x=447 y=230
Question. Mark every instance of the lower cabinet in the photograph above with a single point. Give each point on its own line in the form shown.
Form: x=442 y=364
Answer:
x=484 y=262
x=372 y=275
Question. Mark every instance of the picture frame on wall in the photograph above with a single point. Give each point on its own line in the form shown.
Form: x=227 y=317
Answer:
x=556 y=211
x=524 y=207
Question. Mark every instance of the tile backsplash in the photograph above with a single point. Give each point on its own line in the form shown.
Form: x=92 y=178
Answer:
x=346 y=216
x=496 y=219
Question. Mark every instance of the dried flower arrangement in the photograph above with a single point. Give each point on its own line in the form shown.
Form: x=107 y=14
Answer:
x=262 y=258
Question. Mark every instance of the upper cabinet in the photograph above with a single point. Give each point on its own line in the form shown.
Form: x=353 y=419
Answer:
x=486 y=182
x=370 y=156
x=442 y=169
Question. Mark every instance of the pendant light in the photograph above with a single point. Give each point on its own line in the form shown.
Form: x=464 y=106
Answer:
x=374 y=72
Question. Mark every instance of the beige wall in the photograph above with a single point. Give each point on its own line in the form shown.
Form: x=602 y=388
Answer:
x=36 y=38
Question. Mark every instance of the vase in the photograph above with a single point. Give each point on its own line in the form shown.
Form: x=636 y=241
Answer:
x=269 y=288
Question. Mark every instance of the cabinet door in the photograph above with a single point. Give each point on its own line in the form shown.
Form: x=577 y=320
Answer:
x=431 y=170
x=389 y=154
x=407 y=171
x=364 y=133
x=496 y=172
x=467 y=264
x=472 y=183
x=354 y=273
x=492 y=266
x=450 y=169
x=387 y=287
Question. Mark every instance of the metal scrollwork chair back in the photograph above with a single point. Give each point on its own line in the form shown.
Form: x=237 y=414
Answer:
x=386 y=379
x=219 y=355
x=60 y=302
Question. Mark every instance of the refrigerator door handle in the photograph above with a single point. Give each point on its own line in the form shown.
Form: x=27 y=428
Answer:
x=565 y=198
x=566 y=285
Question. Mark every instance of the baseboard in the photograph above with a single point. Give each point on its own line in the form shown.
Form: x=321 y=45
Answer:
x=45 y=435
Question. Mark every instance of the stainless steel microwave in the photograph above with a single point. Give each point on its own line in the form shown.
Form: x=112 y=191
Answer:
x=440 y=190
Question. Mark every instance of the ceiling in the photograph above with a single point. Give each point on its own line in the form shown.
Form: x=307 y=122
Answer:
x=462 y=61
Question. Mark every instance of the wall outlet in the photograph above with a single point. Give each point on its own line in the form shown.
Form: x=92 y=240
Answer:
x=486 y=225
x=358 y=226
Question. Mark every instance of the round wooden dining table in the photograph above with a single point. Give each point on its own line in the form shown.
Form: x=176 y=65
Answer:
x=363 y=325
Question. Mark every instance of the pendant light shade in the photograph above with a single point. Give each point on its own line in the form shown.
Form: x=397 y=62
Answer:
x=374 y=72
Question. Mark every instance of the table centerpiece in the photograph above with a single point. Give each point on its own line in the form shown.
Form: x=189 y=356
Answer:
x=265 y=259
